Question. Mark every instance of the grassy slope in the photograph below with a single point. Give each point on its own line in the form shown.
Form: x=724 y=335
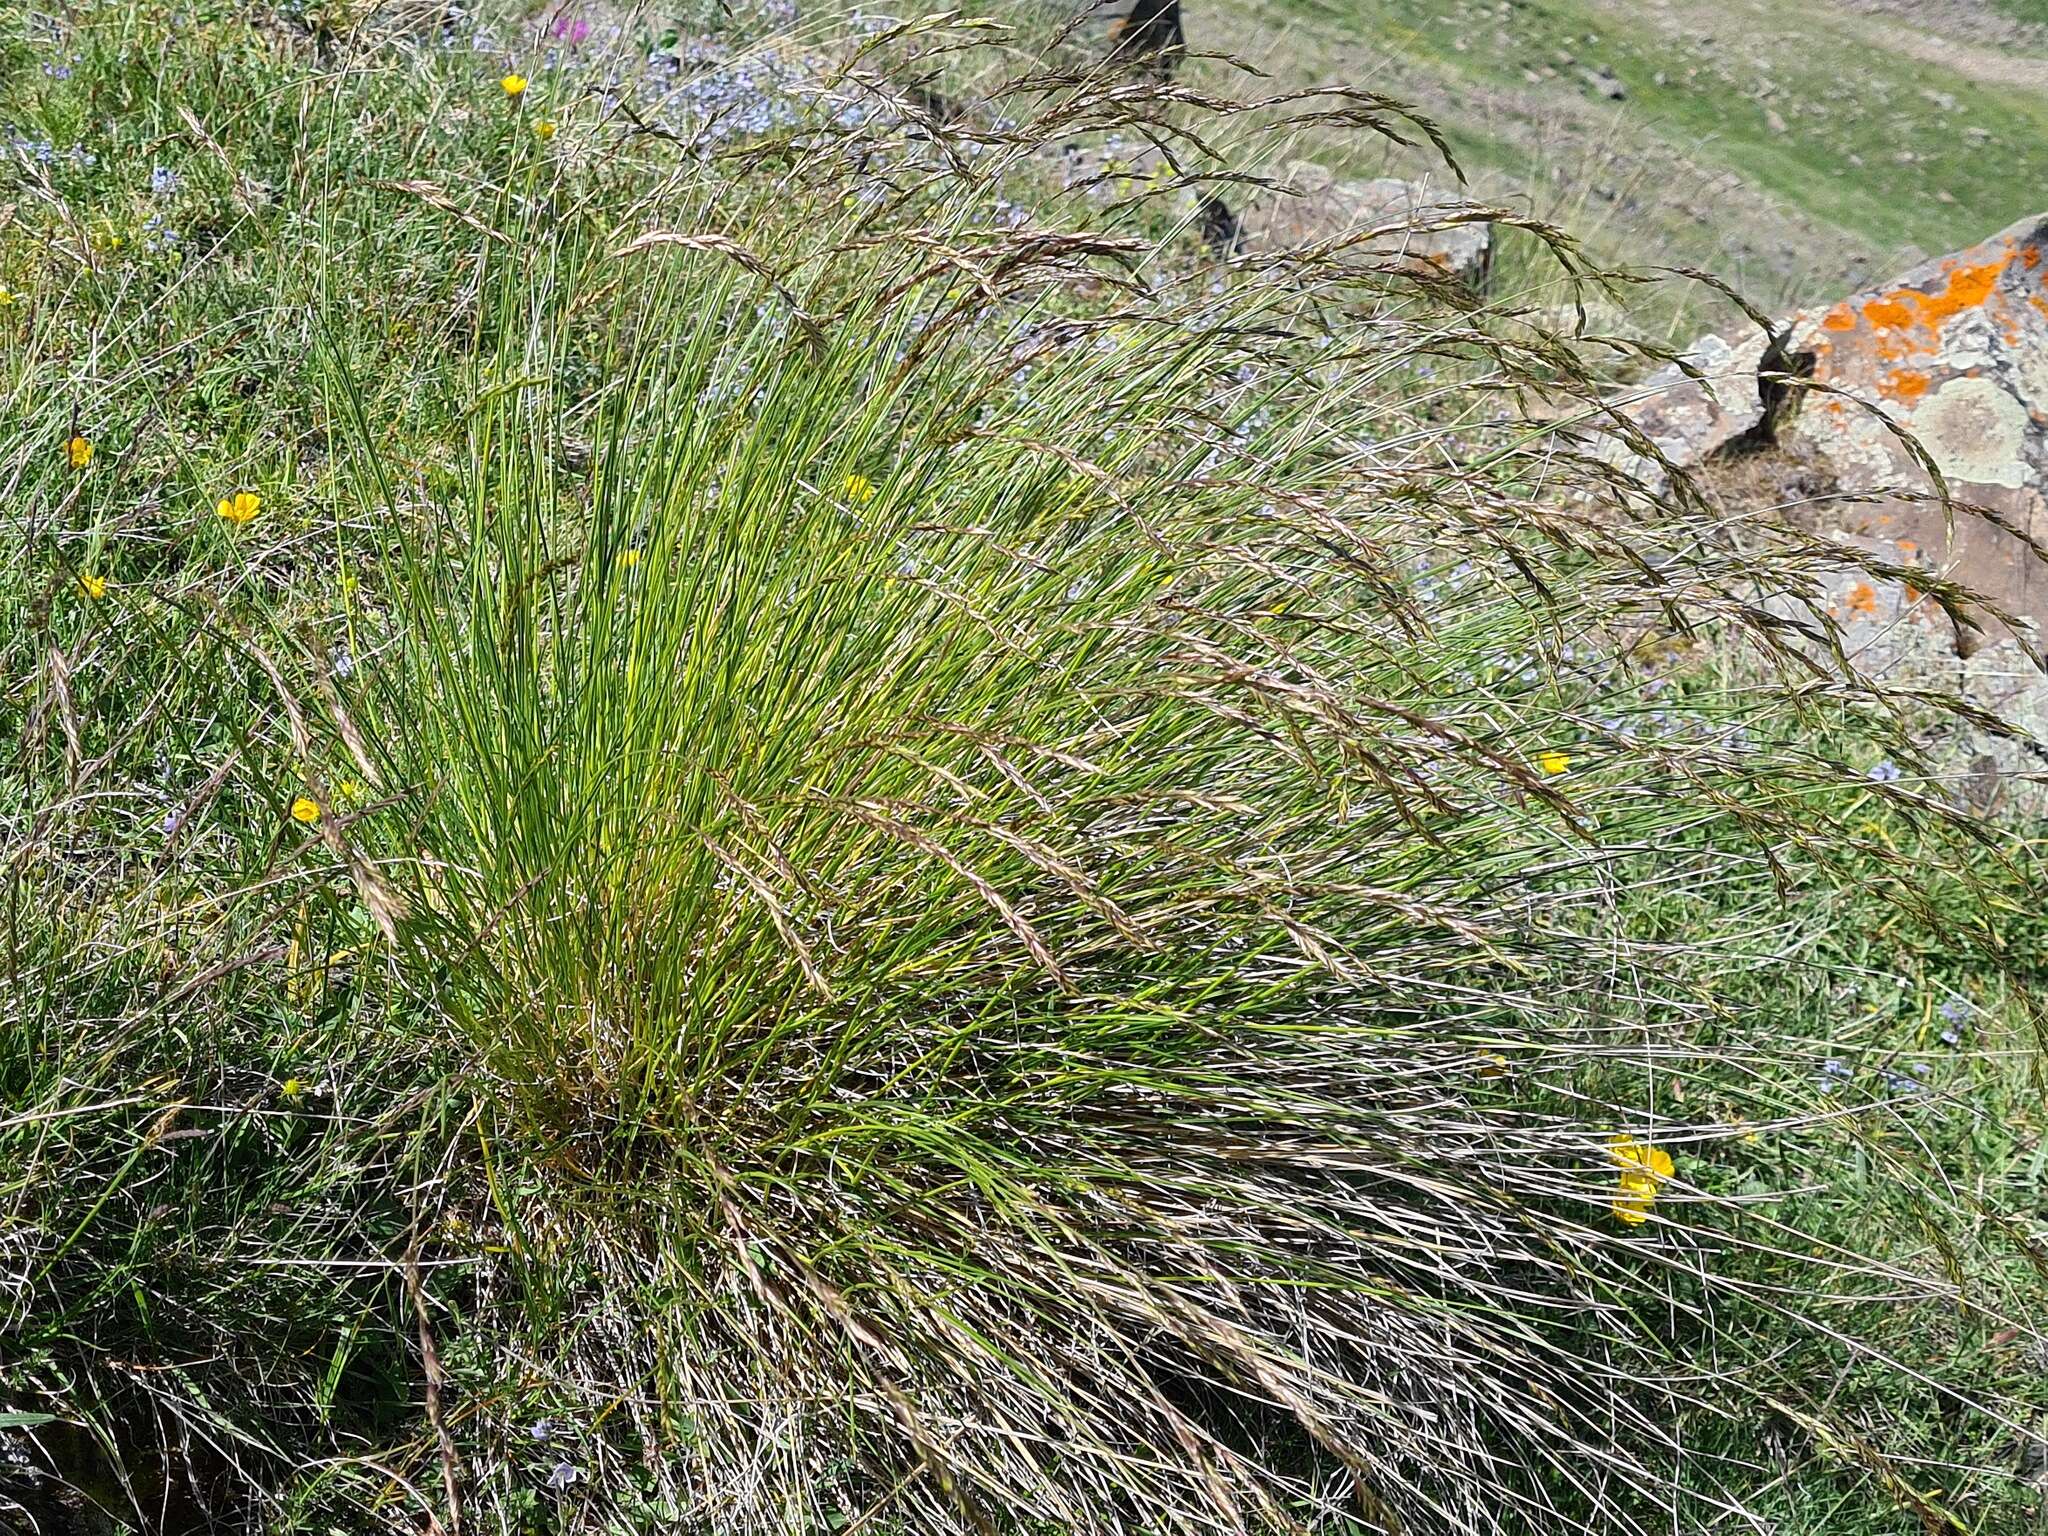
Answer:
x=1792 y=147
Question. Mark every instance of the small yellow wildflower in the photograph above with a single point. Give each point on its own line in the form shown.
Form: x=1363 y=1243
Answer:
x=1552 y=762
x=859 y=489
x=6 y=296
x=305 y=811
x=1643 y=1170
x=544 y=130
x=292 y=1088
x=240 y=507
x=92 y=586
x=78 y=450
x=513 y=86
x=629 y=558
x=349 y=789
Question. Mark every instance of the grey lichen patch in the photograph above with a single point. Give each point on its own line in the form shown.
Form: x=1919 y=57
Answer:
x=1975 y=431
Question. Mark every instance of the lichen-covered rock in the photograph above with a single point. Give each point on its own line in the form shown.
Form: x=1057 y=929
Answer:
x=1314 y=208
x=1895 y=632
x=1691 y=418
x=1956 y=353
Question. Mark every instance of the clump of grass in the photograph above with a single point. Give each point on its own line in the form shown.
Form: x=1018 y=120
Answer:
x=966 y=876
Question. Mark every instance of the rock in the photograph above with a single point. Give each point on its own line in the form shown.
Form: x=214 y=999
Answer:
x=1219 y=227
x=1896 y=633
x=1688 y=419
x=1315 y=208
x=1956 y=352
x=1150 y=37
x=1607 y=83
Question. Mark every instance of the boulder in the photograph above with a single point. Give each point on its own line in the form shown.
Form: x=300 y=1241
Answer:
x=1956 y=353
x=1692 y=418
x=1314 y=207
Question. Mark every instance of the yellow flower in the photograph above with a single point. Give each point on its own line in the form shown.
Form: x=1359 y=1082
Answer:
x=240 y=507
x=349 y=789
x=305 y=811
x=629 y=558
x=79 y=451
x=6 y=296
x=92 y=586
x=513 y=86
x=1642 y=1172
x=292 y=1088
x=544 y=130
x=1552 y=762
x=859 y=489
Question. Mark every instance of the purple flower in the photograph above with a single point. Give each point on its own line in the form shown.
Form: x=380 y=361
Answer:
x=164 y=182
x=563 y=1476
x=542 y=1429
x=1955 y=1010
x=1886 y=772
x=570 y=29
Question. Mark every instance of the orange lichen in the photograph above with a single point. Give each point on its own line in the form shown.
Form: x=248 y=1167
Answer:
x=1904 y=309
x=1840 y=318
x=1893 y=313
x=1863 y=598
x=2032 y=257
x=1905 y=385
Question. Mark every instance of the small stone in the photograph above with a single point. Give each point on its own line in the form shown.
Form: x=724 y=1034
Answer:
x=1606 y=83
x=1317 y=208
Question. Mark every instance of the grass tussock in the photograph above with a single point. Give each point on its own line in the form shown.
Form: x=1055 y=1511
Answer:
x=852 y=842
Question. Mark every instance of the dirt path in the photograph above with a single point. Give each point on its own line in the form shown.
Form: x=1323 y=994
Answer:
x=1980 y=64
x=1991 y=32
x=2000 y=51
